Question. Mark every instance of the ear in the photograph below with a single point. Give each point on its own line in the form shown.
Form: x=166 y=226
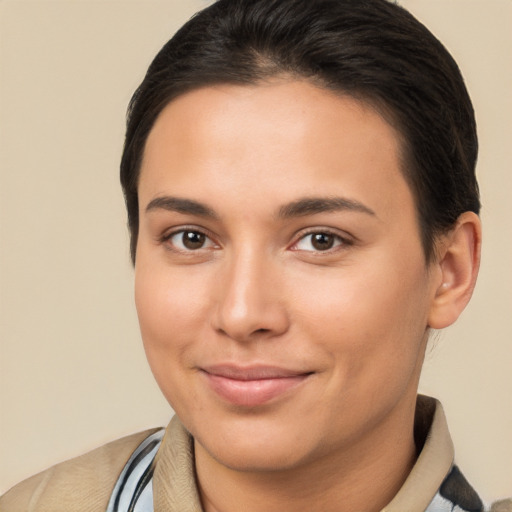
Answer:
x=458 y=261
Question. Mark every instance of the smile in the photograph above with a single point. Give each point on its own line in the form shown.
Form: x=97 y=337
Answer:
x=253 y=386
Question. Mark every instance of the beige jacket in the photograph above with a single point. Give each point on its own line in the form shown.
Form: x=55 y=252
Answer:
x=84 y=484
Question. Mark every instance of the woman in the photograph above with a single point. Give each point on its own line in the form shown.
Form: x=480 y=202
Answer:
x=299 y=179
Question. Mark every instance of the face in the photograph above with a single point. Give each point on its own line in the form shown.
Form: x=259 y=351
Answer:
x=281 y=285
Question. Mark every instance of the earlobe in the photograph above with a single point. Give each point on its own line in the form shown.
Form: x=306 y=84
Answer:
x=458 y=262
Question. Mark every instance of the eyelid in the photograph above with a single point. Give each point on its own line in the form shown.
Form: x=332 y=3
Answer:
x=346 y=239
x=168 y=234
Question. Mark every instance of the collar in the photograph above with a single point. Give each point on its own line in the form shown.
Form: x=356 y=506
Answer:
x=434 y=460
x=175 y=489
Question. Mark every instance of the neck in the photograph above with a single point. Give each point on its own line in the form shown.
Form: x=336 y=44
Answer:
x=365 y=476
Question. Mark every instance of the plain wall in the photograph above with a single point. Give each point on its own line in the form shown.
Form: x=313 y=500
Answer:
x=72 y=369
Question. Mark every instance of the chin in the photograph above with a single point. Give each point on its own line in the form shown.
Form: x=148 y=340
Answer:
x=256 y=445
x=251 y=458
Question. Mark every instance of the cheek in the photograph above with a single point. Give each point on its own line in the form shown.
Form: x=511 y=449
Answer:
x=170 y=307
x=369 y=316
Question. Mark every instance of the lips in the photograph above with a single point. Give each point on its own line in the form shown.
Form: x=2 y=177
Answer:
x=252 y=386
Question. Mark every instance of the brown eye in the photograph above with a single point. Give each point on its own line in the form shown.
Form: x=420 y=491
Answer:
x=188 y=240
x=193 y=239
x=322 y=241
x=319 y=241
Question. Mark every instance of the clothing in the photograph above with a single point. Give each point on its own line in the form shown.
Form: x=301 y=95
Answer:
x=159 y=466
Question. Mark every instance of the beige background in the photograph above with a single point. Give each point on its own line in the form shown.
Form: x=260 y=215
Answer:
x=72 y=370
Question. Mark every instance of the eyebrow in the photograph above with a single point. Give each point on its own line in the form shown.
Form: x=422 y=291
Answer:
x=299 y=208
x=185 y=206
x=314 y=205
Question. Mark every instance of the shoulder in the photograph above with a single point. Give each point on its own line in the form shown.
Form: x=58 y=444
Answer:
x=81 y=484
x=502 y=506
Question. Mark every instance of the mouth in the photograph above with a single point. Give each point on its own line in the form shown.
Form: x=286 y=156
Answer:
x=252 y=386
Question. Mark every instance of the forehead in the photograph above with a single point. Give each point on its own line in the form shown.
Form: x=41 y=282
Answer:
x=278 y=140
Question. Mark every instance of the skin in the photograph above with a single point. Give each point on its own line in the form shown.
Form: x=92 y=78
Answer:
x=351 y=322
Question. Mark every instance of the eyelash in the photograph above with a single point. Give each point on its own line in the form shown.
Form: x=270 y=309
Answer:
x=339 y=241
x=166 y=239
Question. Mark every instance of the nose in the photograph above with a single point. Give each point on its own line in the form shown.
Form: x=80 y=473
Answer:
x=251 y=301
